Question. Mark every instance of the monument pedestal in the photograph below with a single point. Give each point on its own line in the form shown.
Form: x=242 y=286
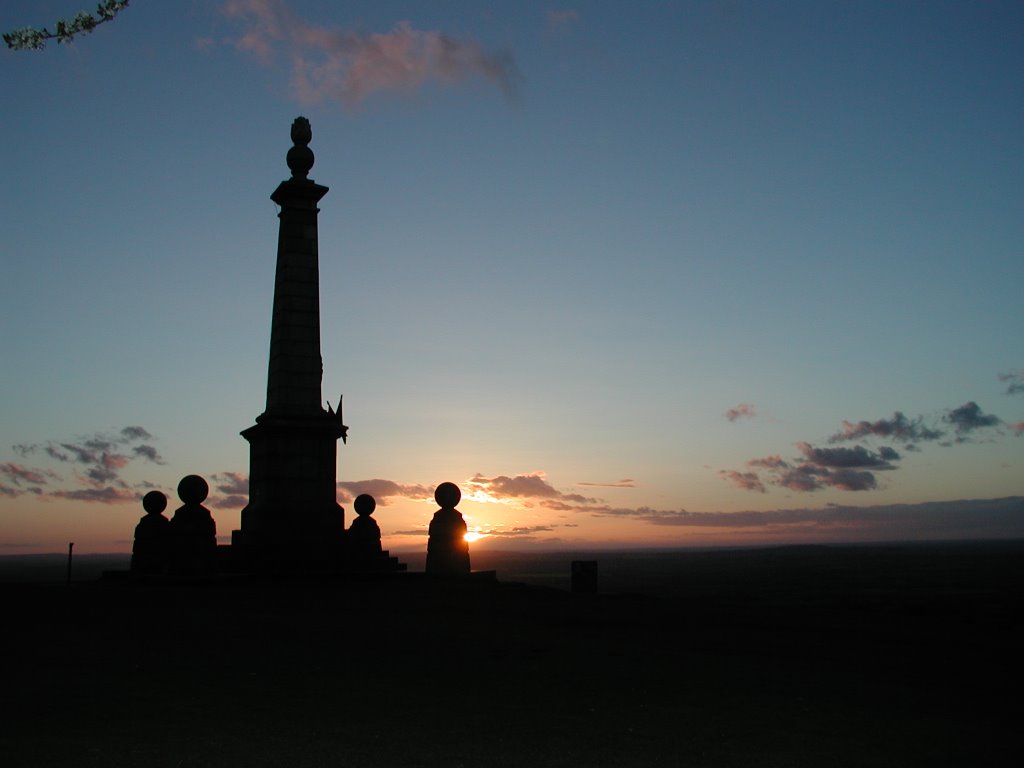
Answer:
x=292 y=521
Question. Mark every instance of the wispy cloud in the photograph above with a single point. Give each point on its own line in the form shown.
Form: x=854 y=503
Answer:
x=97 y=461
x=106 y=495
x=972 y=518
x=624 y=483
x=741 y=411
x=748 y=481
x=22 y=475
x=228 y=490
x=530 y=486
x=383 y=490
x=898 y=428
x=334 y=64
x=1014 y=381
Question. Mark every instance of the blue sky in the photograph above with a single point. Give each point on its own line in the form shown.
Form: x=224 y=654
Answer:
x=551 y=263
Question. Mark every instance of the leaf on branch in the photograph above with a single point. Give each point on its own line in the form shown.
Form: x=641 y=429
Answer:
x=28 y=38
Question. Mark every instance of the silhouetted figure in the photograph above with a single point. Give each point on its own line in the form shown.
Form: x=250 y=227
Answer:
x=447 y=548
x=362 y=540
x=193 y=532
x=152 y=534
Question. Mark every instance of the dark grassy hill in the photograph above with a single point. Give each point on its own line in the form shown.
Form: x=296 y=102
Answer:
x=809 y=656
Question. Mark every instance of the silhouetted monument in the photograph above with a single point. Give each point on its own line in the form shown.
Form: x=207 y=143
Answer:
x=362 y=541
x=447 y=548
x=193 y=533
x=363 y=551
x=293 y=520
x=152 y=535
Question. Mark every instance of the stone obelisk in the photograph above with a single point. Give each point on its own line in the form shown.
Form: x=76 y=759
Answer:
x=293 y=520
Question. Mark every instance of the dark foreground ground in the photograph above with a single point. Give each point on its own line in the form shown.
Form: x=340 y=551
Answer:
x=807 y=656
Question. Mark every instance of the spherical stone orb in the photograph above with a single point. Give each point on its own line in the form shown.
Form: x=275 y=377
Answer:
x=193 y=489
x=447 y=495
x=300 y=159
x=154 y=502
x=364 y=504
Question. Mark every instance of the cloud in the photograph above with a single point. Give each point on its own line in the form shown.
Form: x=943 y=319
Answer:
x=230 y=482
x=972 y=518
x=332 y=64
x=625 y=483
x=853 y=468
x=748 y=481
x=969 y=518
x=846 y=469
x=769 y=462
x=98 y=460
x=741 y=411
x=845 y=458
x=21 y=475
x=898 y=428
x=235 y=489
x=851 y=480
x=516 y=532
x=228 y=502
x=804 y=478
x=148 y=452
x=383 y=490
x=130 y=434
x=531 y=486
x=969 y=418
x=108 y=495
x=1014 y=381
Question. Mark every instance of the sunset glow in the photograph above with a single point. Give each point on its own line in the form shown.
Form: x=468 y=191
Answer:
x=657 y=274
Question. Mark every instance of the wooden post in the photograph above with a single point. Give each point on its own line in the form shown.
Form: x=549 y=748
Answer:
x=70 y=547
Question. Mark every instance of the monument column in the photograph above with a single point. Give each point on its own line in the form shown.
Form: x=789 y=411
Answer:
x=293 y=520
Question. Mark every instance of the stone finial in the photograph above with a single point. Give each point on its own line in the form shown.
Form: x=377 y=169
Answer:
x=193 y=489
x=447 y=495
x=300 y=157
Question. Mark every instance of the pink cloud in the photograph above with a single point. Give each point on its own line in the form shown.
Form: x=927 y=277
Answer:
x=382 y=490
x=769 y=462
x=108 y=495
x=531 y=486
x=743 y=410
x=18 y=474
x=330 y=64
x=748 y=481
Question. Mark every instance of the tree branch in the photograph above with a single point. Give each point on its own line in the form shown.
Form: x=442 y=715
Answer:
x=30 y=38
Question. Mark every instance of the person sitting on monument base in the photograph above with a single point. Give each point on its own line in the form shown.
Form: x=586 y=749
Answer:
x=193 y=537
x=149 y=549
x=362 y=539
x=447 y=548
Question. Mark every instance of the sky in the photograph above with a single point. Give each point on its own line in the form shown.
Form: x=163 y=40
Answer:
x=630 y=274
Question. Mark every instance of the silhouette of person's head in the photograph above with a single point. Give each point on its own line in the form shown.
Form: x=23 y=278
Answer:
x=154 y=502
x=447 y=495
x=364 y=504
x=193 y=489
